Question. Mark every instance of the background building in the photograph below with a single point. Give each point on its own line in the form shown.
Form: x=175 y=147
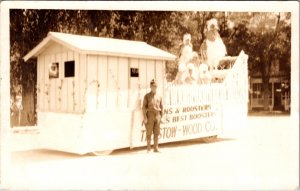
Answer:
x=278 y=91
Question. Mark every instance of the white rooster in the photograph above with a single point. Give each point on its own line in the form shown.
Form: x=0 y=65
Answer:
x=212 y=48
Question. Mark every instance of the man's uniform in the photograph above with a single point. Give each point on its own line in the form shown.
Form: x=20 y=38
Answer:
x=152 y=110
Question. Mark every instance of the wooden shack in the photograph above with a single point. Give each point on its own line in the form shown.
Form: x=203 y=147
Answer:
x=79 y=74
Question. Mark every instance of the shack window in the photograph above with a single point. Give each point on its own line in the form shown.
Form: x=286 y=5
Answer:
x=69 y=69
x=134 y=72
x=54 y=70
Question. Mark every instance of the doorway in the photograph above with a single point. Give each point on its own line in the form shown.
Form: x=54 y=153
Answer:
x=277 y=97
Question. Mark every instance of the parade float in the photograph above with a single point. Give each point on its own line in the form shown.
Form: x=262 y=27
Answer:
x=90 y=92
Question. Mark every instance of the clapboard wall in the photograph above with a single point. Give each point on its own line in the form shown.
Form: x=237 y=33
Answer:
x=100 y=83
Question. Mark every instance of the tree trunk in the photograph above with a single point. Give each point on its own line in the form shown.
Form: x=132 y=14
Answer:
x=265 y=92
x=28 y=113
x=266 y=66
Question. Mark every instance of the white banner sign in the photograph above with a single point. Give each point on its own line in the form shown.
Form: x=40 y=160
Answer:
x=187 y=122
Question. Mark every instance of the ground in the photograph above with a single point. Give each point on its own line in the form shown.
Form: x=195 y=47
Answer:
x=264 y=155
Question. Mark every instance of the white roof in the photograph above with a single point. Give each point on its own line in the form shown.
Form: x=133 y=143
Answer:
x=101 y=46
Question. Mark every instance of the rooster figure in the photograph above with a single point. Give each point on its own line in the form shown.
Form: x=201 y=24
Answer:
x=212 y=48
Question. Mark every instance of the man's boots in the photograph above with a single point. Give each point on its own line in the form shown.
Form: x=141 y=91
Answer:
x=156 y=144
x=148 y=144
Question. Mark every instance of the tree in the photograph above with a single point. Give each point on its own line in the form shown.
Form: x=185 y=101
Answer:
x=273 y=43
x=263 y=36
x=266 y=37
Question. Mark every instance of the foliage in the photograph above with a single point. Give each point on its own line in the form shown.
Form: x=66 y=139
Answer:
x=268 y=38
x=263 y=36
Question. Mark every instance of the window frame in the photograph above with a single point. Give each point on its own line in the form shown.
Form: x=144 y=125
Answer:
x=51 y=76
x=71 y=74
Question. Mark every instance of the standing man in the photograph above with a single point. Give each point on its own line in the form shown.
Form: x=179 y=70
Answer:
x=153 y=111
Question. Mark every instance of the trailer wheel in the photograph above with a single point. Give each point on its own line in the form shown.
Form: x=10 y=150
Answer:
x=210 y=139
x=101 y=153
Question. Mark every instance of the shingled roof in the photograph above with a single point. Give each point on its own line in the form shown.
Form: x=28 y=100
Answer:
x=101 y=46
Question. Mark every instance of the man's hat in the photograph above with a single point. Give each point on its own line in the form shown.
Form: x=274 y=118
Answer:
x=153 y=83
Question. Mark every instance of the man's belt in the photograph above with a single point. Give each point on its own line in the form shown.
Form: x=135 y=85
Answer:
x=153 y=110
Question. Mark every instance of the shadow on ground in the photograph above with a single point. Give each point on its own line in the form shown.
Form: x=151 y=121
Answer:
x=41 y=155
x=185 y=143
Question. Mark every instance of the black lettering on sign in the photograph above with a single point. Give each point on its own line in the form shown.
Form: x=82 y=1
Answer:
x=168 y=111
x=134 y=72
x=192 y=129
x=196 y=108
x=210 y=126
x=179 y=118
x=167 y=132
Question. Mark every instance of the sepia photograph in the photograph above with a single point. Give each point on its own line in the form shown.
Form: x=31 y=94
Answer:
x=149 y=95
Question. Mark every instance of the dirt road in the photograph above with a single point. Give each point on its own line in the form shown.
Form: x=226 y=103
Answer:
x=264 y=155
